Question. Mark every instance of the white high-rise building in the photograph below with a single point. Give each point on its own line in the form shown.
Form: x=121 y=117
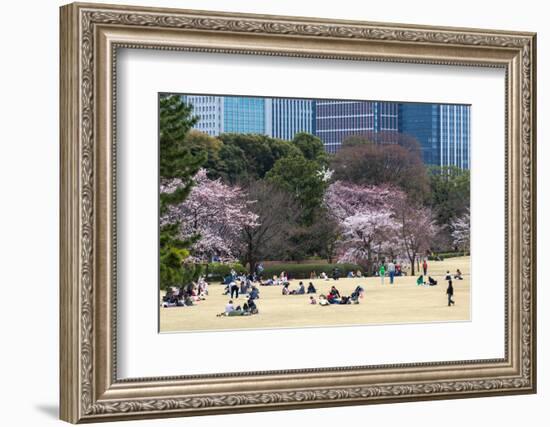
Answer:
x=209 y=110
x=275 y=117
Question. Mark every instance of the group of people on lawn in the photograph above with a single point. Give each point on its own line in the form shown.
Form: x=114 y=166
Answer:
x=186 y=296
x=246 y=286
x=334 y=297
x=249 y=308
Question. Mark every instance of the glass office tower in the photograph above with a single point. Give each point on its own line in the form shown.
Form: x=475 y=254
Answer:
x=276 y=117
x=291 y=116
x=442 y=130
x=245 y=115
x=337 y=120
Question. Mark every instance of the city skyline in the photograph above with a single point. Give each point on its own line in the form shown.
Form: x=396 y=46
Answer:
x=442 y=130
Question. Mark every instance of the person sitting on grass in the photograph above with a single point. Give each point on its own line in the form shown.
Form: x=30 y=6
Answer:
x=243 y=288
x=335 y=292
x=268 y=282
x=173 y=301
x=333 y=299
x=458 y=274
x=345 y=300
x=237 y=312
x=356 y=294
x=285 y=290
x=312 y=300
x=323 y=301
x=358 y=274
x=229 y=308
x=252 y=307
x=254 y=293
x=301 y=289
x=311 y=289
x=170 y=292
x=313 y=275
x=432 y=281
x=203 y=287
x=398 y=270
x=420 y=281
x=351 y=275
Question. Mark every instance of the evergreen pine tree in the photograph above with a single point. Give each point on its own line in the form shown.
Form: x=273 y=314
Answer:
x=176 y=159
x=176 y=162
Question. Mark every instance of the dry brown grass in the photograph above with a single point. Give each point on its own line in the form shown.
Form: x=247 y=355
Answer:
x=404 y=302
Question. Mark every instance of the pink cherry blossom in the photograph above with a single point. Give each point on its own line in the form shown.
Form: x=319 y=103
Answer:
x=213 y=211
x=460 y=230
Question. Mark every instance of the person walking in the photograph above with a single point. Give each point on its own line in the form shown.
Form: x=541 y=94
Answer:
x=234 y=290
x=391 y=271
x=450 y=290
x=382 y=272
x=425 y=267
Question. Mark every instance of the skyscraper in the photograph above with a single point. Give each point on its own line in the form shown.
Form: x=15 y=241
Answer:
x=338 y=119
x=209 y=110
x=246 y=115
x=443 y=131
x=291 y=116
x=454 y=149
x=276 y=117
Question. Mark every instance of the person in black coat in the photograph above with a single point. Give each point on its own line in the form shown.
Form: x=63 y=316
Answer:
x=450 y=290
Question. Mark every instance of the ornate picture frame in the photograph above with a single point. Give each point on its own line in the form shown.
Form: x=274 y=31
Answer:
x=90 y=37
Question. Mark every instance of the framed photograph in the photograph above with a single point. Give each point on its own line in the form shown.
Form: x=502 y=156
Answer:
x=267 y=213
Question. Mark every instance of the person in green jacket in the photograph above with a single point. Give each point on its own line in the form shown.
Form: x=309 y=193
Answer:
x=382 y=272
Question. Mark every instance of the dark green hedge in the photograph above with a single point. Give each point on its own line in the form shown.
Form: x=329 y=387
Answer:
x=445 y=255
x=302 y=271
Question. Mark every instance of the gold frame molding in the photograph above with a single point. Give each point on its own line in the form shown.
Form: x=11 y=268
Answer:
x=90 y=37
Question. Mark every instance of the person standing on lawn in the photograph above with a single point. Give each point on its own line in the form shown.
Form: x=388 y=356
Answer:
x=391 y=271
x=450 y=290
x=425 y=267
x=382 y=272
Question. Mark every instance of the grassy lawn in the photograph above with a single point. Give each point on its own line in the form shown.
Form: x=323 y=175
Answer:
x=404 y=302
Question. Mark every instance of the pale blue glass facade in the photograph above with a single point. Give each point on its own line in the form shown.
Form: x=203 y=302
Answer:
x=244 y=115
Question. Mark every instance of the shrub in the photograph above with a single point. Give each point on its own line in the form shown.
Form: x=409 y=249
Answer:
x=444 y=255
x=302 y=271
x=217 y=271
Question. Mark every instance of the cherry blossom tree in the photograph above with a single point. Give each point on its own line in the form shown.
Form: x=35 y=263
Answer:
x=460 y=231
x=366 y=219
x=213 y=216
x=365 y=234
x=416 y=229
x=344 y=199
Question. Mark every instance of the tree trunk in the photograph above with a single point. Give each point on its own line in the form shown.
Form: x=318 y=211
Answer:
x=412 y=265
x=251 y=264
